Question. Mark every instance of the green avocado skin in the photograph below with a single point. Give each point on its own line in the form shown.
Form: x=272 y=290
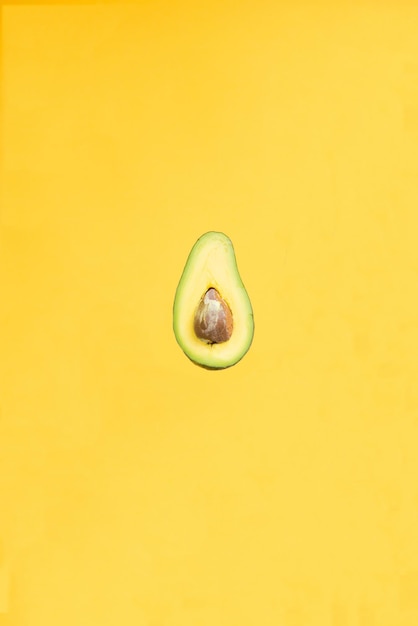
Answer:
x=201 y=250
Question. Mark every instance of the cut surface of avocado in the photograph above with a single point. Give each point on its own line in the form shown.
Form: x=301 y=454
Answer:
x=212 y=317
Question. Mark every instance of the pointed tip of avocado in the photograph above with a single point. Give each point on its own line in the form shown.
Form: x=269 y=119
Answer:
x=214 y=332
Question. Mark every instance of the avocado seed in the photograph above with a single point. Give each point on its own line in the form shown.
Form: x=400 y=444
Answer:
x=213 y=318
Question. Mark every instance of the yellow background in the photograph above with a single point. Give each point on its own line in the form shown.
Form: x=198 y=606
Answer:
x=136 y=488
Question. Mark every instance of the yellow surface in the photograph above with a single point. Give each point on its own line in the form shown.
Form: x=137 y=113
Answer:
x=136 y=488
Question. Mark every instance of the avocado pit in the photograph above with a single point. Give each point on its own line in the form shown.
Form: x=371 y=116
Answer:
x=213 y=318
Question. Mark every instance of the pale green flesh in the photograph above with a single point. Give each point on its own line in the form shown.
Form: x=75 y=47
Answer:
x=212 y=263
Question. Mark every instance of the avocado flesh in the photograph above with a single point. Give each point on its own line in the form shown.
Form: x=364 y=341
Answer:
x=212 y=265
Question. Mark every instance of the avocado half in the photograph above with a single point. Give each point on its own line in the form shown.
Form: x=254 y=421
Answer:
x=212 y=317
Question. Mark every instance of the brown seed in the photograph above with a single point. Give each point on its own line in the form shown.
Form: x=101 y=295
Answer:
x=213 y=318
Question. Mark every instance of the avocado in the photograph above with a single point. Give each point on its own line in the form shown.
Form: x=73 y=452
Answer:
x=212 y=316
